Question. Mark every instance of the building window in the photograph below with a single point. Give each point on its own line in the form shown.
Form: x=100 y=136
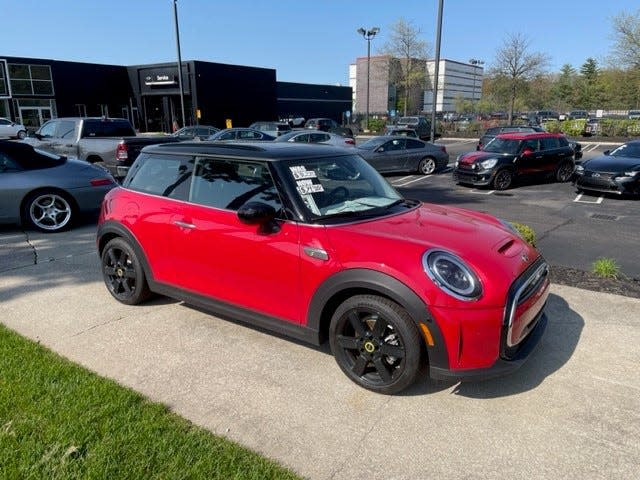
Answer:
x=30 y=79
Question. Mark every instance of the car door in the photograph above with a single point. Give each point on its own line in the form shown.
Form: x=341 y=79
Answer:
x=220 y=257
x=530 y=157
x=45 y=136
x=63 y=142
x=390 y=156
x=415 y=152
x=11 y=181
x=6 y=128
x=553 y=154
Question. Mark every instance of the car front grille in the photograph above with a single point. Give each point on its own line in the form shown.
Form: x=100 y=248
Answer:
x=531 y=283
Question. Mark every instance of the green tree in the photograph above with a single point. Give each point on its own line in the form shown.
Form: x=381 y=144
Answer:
x=405 y=45
x=626 y=34
x=517 y=66
x=563 y=92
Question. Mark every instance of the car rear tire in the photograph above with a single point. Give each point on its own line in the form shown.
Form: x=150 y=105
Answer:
x=123 y=273
x=22 y=134
x=49 y=211
x=376 y=343
x=427 y=166
x=564 y=172
x=503 y=179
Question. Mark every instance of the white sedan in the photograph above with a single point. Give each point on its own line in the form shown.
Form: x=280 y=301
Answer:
x=11 y=129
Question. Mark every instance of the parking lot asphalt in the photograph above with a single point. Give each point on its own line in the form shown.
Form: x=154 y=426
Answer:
x=571 y=412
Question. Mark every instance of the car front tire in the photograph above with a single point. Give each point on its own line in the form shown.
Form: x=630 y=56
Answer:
x=503 y=179
x=22 y=134
x=564 y=172
x=376 y=343
x=123 y=273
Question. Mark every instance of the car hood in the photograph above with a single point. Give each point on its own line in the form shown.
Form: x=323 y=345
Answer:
x=607 y=163
x=398 y=242
x=478 y=156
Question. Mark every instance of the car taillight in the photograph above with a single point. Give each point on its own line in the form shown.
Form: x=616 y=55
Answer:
x=349 y=141
x=122 y=152
x=101 y=182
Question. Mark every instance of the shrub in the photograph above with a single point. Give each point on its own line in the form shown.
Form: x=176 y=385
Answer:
x=526 y=232
x=376 y=124
x=606 y=268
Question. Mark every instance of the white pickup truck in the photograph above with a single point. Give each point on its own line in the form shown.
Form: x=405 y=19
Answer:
x=110 y=142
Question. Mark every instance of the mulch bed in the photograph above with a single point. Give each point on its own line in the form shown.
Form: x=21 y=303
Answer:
x=628 y=287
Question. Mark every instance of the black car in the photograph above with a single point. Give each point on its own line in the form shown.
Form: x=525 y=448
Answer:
x=197 y=132
x=328 y=125
x=491 y=133
x=512 y=155
x=615 y=172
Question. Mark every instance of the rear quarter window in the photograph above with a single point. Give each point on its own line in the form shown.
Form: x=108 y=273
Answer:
x=107 y=128
x=165 y=175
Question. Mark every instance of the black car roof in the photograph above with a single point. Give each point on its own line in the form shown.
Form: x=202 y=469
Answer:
x=263 y=150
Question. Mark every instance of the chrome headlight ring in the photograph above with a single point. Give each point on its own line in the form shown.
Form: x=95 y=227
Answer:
x=452 y=275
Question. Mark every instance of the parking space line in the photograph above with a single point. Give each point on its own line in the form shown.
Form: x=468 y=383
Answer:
x=480 y=192
x=422 y=177
x=598 y=201
x=591 y=148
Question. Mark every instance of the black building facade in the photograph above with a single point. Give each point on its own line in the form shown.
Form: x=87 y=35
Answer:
x=35 y=90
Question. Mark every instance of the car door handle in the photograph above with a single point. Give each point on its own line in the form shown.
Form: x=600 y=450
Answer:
x=69 y=145
x=190 y=226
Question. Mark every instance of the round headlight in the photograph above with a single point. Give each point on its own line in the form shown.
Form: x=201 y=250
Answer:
x=489 y=163
x=452 y=275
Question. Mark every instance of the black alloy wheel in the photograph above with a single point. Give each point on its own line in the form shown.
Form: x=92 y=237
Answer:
x=503 y=179
x=376 y=343
x=564 y=172
x=123 y=273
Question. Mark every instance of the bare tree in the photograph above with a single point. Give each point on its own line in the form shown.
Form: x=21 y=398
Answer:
x=406 y=46
x=516 y=65
x=626 y=33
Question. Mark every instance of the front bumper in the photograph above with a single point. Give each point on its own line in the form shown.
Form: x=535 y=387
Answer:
x=522 y=327
x=481 y=178
x=502 y=366
x=607 y=183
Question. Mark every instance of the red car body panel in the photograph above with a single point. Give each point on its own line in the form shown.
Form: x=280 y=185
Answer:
x=273 y=275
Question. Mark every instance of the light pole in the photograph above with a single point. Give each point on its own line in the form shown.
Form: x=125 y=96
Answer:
x=368 y=35
x=175 y=18
x=475 y=62
x=436 y=72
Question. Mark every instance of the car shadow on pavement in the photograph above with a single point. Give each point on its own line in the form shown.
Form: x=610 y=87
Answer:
x=557 y=347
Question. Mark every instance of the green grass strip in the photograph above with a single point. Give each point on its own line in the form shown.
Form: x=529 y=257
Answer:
x=60 y=421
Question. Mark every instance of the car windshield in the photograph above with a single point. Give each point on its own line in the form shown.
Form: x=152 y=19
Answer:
x=627 y=150
x=503 y=145
x=373 y=143
x=341 y=186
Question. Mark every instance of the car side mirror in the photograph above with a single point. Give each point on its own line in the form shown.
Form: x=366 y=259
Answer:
x=39 y=136
x=527 y=152
x=259 y=213
x=606 y=152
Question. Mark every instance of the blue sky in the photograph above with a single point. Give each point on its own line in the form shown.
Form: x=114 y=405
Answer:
x=305 y=41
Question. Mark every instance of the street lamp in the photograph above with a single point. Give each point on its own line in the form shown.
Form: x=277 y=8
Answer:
x=368 y=35
x=175 y=18
x=475 y=62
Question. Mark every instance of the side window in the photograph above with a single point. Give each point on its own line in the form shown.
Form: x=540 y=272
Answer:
x=7 y=164
x=394 y=145
x=169 y=176
x=318 y=137
x=4 y=122
x=228 y=136
x=304 y=138
x=229 y=184
x=550 y=143
x=530 y=144
x=65 y=129
x=48 y=130
x=414 y=143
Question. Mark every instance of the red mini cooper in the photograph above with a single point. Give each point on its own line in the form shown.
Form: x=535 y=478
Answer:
x=311 y=242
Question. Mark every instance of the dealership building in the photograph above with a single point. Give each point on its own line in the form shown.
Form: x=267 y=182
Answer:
x=33 y=90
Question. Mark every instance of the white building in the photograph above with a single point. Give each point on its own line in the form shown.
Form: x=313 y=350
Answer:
x=456 y=80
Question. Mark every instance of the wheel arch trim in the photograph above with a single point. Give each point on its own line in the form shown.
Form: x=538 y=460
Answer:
x=360 y=280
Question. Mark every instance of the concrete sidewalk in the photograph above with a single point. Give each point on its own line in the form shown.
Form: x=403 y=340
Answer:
x=572 y=412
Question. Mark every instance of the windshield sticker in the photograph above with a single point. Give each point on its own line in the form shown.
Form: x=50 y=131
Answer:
x=301 y=172
x=306 y=187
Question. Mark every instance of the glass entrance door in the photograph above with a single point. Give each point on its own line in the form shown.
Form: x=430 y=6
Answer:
x=34 y=117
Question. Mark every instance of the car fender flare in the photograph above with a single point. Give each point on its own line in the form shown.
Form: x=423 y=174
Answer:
x=109 y=230
x=361 y=280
